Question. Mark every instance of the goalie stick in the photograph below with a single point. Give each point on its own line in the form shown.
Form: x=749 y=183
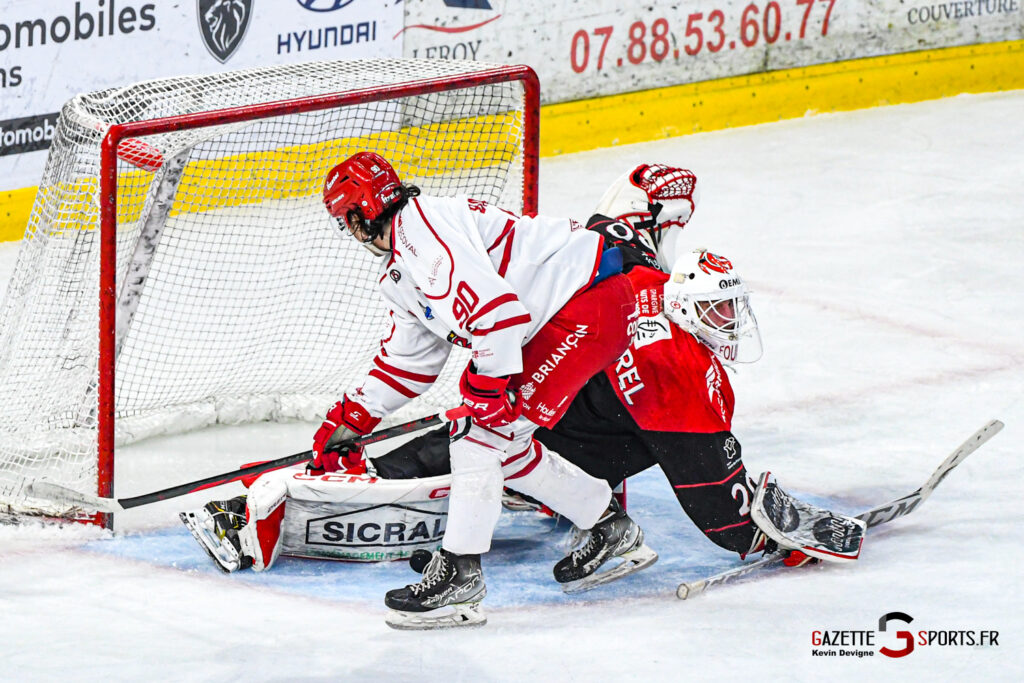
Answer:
x=56 y=492
x=877 y=515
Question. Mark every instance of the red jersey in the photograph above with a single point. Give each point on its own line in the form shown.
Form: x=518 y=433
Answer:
x=667 y=379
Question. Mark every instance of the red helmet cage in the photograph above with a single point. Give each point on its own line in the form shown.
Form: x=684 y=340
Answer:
x=364 y=183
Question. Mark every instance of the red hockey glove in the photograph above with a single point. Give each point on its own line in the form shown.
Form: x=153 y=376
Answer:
x=348 y=461
x=794 y=558
x=652 y=197
x=797 y=558
x=345 y=419
x=490 y=401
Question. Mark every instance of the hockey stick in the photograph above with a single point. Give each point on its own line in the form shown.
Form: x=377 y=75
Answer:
x=50 y=491
x=880 y=514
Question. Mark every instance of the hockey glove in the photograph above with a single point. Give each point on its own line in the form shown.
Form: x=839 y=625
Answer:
x=798 y=559
x=794 y=558
x=345 y=420
x=347 y=461
x=490 y=401
x=652 y=197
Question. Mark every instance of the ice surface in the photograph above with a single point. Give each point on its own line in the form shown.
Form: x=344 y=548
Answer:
x=885 y=250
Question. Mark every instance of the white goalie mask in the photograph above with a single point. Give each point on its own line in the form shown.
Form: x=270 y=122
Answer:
x=705 y=297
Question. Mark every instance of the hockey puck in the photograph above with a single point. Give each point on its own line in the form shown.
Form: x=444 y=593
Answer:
x=419 y=560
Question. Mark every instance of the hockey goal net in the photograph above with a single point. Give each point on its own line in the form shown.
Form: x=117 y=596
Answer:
x=179 y=270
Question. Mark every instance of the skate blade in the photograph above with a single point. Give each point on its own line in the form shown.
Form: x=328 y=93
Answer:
x=468 y=614
x=201 y=525
x=632 y=562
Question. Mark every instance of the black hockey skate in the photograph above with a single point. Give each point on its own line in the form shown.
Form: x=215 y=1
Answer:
x=614 y=535
x=447 y=596
x=216 y=526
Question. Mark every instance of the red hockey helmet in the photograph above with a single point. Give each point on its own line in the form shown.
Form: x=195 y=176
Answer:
x=364 y=184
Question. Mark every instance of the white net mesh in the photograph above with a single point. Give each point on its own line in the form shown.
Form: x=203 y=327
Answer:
x=239 y=299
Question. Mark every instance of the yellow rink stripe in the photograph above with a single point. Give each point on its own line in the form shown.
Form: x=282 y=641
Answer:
x=15 y=206
x=666 y=112
x=442 y=149
x=772 y=96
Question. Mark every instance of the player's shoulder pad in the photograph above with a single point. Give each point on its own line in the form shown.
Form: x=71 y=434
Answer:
x=636 y=250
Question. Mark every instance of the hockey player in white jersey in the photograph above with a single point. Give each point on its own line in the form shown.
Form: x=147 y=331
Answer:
x=535 y=301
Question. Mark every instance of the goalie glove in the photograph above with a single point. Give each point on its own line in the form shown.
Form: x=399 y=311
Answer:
x=345 y=420
x=652 y=198
x=490 y=401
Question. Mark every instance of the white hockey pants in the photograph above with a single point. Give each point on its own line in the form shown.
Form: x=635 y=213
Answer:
x=483 y=459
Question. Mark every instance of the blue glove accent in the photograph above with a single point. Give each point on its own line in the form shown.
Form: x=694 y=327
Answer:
x=611 y=264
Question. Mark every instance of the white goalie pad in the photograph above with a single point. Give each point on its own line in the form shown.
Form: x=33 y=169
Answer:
x=797 y=525
x=359 y=517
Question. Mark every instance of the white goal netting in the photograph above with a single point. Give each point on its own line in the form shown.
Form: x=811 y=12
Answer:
x=237 y=297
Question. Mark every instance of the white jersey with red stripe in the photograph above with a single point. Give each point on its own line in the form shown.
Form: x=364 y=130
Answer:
x=466 y=273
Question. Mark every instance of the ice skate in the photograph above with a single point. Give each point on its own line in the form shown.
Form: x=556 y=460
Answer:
x=447 y=596
x=215 y=526
x=614 y=536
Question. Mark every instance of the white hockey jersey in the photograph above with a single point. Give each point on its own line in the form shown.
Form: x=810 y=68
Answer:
x=466 y=273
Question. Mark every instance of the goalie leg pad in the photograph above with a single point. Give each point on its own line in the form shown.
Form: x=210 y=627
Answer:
x=801 y=526
x=261 y=536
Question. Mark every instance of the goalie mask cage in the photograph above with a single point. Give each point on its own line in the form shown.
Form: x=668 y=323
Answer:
x=179 y=269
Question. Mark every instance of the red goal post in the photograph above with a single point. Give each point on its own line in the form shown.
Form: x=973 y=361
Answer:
x=413 y=120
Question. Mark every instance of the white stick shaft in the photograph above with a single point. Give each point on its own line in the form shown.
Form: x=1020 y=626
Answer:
x=62 y=494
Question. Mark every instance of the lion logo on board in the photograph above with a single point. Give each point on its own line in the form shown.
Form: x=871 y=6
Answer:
x=223 y=24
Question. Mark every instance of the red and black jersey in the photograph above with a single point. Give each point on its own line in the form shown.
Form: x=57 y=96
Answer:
x=667 y=379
